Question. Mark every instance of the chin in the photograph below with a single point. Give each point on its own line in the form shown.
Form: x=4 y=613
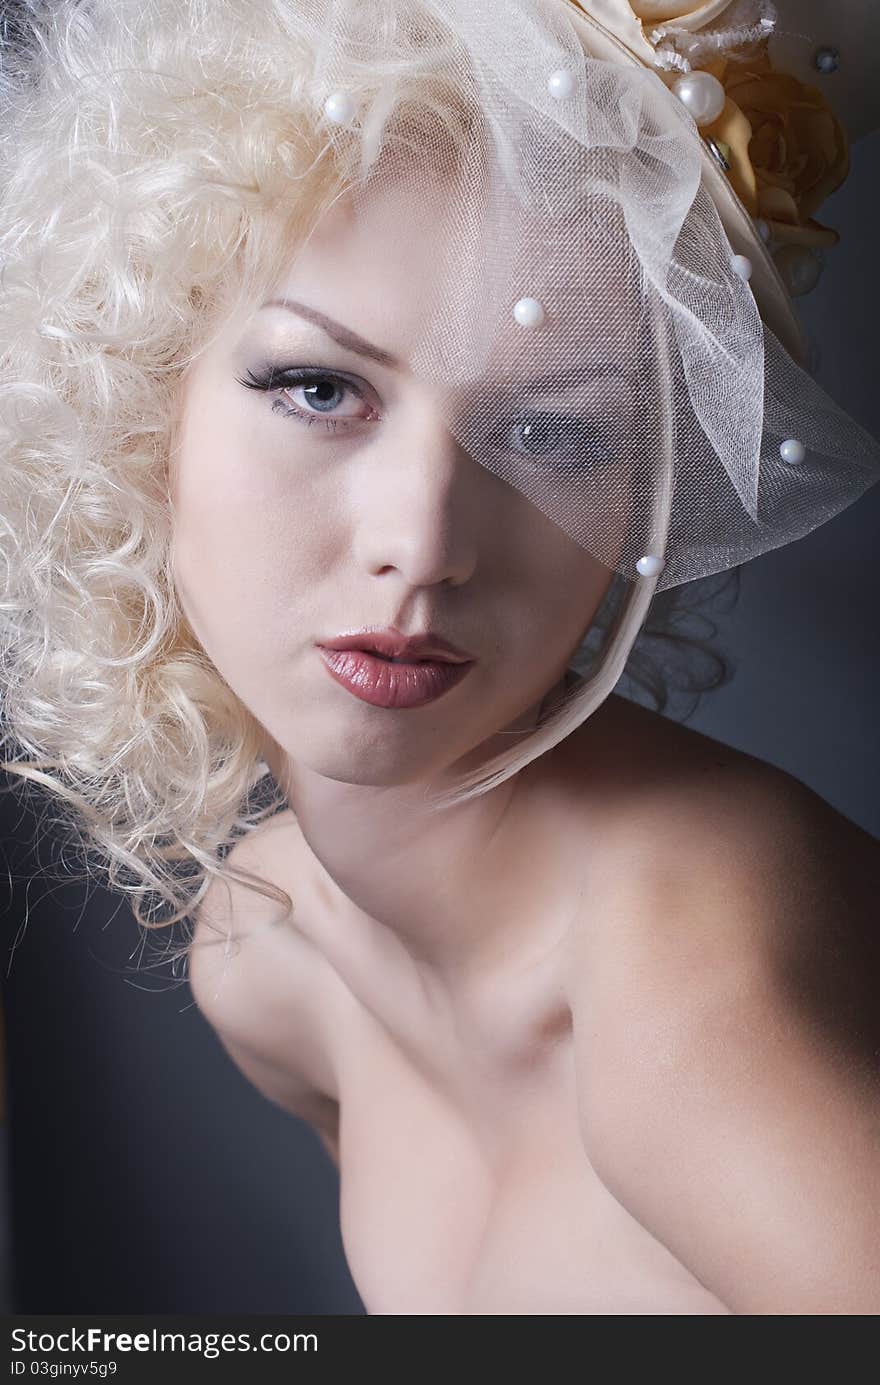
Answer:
x=384 y=757
x=369 y=771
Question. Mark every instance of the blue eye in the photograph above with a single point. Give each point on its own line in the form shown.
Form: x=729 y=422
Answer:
x=557 y=436
x=324 y=392
x=323 y=395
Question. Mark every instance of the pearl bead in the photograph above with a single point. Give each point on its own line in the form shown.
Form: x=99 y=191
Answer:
x=560 y=84
x=650 y=565
x=742 y=265
x=792 y=451
x=800 y=268
x=702 y=94
x=529 y=312
x=339 y=107
x=826 y=60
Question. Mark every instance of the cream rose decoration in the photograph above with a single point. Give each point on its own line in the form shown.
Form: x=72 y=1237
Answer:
x=788 y=150
x=684 y=15
x=626 y=20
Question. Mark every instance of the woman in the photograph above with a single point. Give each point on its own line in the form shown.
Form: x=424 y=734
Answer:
x=439 y=334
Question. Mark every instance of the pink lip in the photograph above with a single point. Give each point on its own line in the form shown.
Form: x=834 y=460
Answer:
x=395 y=645
x=399 y=686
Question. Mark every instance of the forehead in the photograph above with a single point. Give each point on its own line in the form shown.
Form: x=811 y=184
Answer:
x=431 y=272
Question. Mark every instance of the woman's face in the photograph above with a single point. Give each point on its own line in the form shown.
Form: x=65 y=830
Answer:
x=312 y=510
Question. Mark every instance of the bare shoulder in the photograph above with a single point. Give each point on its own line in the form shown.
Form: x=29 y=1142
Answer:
x=231 y=914
x=260 y=984
x=709 y=851
x=684 y=807
x=723 y=994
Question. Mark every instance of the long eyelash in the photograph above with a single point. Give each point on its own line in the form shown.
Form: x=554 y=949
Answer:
x=271 y=378
x=274 y=380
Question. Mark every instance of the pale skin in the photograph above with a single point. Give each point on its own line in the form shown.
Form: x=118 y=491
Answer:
x=599 y=1041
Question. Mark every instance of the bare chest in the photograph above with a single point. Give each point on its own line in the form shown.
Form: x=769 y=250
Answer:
x=471 y=1193
x=465 y=1186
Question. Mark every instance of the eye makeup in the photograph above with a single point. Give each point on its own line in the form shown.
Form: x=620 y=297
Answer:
x=279 y=381
x=512 y=426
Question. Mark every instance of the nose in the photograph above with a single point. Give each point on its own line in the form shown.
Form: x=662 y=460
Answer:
x=417 y=503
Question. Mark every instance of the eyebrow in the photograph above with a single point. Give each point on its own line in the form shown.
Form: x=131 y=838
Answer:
x=343 y=336
x=578 y=373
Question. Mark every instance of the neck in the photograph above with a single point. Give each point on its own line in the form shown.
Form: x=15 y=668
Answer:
x=446 y=884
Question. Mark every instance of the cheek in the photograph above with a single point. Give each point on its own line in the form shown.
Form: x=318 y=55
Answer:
x=574 y=604
x=569 y=583
x=248 y=556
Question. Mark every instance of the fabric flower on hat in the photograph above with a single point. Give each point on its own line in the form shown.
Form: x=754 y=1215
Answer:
x=787 y=149
x=631 y=21
x=687 y=15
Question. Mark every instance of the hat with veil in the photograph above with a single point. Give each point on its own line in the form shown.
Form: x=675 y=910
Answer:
x=631 y=187
x=608 y=322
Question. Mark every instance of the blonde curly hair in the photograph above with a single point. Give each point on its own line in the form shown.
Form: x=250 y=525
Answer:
x=159 y=161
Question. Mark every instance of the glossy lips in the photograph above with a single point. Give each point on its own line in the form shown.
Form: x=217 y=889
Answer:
x=424 y=668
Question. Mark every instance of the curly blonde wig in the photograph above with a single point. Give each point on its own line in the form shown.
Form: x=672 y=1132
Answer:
x=160 y=160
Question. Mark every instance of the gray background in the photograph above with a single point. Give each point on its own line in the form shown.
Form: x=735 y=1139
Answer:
x=147 y=1175
x=804 y=631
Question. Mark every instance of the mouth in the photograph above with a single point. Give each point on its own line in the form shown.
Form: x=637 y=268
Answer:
x=392 y=646
x=385 y=680
x=390 y=659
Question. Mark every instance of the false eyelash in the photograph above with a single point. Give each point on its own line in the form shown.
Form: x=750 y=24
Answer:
x=276 y=380
x=275 y=377
x=271 y=377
